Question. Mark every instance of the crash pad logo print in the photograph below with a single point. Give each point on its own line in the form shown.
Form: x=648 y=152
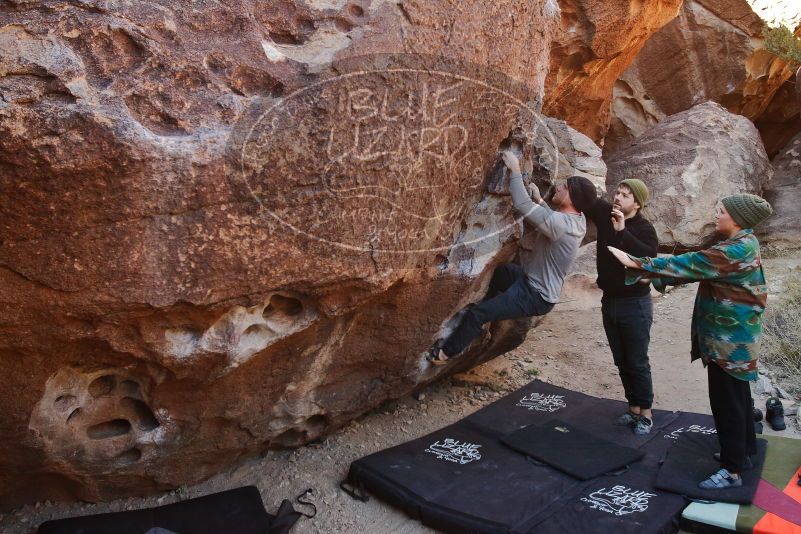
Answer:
x=542 y=403
x=696 y=429
x=451 y=450
x=619 y=500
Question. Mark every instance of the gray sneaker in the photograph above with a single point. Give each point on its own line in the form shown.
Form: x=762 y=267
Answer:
x=721 y=480
x=643 y=425
x=627 y=419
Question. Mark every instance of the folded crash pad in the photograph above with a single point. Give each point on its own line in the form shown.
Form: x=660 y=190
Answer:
x=571 y=450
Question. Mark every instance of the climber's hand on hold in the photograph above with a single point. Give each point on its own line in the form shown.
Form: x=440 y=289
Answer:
x=511 y=161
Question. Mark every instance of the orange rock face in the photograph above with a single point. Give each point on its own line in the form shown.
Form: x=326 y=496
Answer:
x=596 y=42
x=711 y=51
x=214 y=241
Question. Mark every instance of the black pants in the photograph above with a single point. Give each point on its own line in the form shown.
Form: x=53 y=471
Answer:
x=510 y=296
x=730 y=399
x=627 y=322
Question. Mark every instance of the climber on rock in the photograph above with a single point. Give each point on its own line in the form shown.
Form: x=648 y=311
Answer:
x=531 y=289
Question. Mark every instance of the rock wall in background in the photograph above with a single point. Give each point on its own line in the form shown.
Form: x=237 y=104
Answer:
x=713 y=51
x=597 y=40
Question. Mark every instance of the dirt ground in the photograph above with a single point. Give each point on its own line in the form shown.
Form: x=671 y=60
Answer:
x=567 y=349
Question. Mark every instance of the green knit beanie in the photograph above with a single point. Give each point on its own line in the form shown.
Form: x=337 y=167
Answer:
x=747 y=210
x=638 y=189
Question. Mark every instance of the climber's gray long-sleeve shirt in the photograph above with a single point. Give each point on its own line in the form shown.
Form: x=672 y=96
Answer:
x=557 y=243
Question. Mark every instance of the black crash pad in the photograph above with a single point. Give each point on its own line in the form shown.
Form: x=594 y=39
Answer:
x=463 y=479
x=238 y=510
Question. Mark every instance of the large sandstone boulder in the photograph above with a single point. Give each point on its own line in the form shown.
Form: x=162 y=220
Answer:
x=690 y=161
x=222 y=231
x=597 y=40
x=781 y=231
x=712 y=51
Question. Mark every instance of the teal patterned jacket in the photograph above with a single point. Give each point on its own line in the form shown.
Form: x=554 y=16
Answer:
x=732 y=295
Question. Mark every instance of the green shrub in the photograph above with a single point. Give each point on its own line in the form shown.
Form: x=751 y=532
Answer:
x=782 y=42
x=781 y=334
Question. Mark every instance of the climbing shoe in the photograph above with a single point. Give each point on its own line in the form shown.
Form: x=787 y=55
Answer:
x=643 y=425
x=627 y=419
x=435 y=355
x=774 y=414
x=721 y=480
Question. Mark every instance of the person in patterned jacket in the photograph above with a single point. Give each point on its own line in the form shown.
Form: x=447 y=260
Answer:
x=726 y=324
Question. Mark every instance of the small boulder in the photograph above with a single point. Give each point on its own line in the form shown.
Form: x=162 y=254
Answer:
x=690 y=161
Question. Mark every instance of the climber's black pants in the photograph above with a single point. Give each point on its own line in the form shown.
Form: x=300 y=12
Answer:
x=510 y=296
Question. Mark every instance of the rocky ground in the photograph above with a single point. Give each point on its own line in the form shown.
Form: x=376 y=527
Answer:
x=567 y=349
